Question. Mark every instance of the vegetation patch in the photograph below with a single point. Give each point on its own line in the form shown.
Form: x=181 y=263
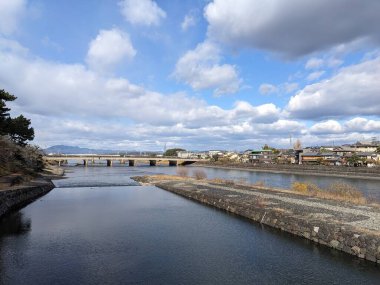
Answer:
x=336 y=191
x=199 y=174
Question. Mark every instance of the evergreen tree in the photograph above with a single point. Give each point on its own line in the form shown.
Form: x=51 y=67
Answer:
x=4 y=111
x=18 y=129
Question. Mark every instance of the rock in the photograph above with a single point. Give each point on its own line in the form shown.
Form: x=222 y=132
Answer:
x=356 y=249
x=316 y=229
x=334 y=243
x=370 y=257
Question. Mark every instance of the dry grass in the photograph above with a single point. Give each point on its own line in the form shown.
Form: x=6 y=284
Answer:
x=217 y=180
x=165 y=177
x=199 y=174
x=336 y=191
x=261 y=202
x=183 y=172
x=259 y=184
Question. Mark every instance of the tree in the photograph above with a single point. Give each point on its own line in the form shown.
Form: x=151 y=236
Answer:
x=273 y=149
x=173 y=151
x=297 y=144
x=378 y=149
x=353 y=160
x=4 y=111
x=18 y=129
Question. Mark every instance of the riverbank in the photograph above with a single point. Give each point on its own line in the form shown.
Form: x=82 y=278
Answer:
x=331 y=171
x=354 y=229
x=16 y=193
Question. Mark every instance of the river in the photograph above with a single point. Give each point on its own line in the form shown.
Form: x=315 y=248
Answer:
x=98 y=227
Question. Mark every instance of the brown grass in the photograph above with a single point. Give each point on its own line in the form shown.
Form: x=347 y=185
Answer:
x=199 y=174
x=259 y=183
x=336 y=191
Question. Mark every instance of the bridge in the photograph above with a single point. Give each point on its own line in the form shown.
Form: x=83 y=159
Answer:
x=132 y=160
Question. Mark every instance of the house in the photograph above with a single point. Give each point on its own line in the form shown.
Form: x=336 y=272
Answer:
x=326 y=158
x=262 y=156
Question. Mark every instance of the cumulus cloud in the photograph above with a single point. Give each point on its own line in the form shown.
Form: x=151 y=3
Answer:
x=329 y=127
x=189 y=20
x=142 y=12
x=109 y=48
x=293 y=28
x=354 y=90
x=10 y=13
x=362 y=125
x=267 y=88
x=201 y=69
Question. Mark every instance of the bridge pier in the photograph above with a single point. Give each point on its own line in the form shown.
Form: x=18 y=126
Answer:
x=109 y=162
x=152 y=162
x=85 y=162
x=172 y=162
x=131 y=162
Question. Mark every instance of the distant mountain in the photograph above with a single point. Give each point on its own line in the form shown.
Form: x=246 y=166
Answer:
x=65 y=149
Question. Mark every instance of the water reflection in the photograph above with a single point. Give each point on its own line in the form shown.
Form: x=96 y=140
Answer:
x=144 y=235
x=15 y=224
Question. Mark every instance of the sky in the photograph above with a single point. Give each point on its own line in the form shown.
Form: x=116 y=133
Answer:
x=196 y=74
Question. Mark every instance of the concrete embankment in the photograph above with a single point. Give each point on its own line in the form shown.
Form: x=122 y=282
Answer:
x=17 y=197
x=354 y=229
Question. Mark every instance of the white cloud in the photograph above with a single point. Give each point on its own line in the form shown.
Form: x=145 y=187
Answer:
x=266 y=89
x=330 y=127
x=362 y=125
x=354 y=90
x=201 y=69
x=190 y=20
x=109 y=48
x=290 y=87
x=10 y=13
x=293 y=28
x=314 y=63
x=72 y=104
x=315 y=75
x=142 y=12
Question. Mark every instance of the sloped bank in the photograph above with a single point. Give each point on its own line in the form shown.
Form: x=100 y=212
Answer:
x=17 y=197
x=354 y=229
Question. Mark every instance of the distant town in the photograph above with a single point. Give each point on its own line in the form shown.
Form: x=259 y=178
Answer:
x=359 y=154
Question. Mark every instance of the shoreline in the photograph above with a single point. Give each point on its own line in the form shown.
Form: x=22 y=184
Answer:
x=288 y=171
x=347 y=227
x=18 y=196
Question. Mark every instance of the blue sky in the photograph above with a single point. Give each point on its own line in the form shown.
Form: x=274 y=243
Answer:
x=139 y=74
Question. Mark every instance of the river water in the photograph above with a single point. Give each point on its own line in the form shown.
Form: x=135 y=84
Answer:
x=98 y=227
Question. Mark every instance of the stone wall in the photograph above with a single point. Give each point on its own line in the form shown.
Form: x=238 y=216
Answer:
x=17 y=198
x=341 y=237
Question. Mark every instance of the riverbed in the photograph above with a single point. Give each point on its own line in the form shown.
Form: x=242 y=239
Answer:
x=98 y=227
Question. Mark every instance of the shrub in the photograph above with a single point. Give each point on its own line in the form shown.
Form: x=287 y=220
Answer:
x=336 y=191
x=183 y=172
x=199 y=174
x=344 y=190
x=300 y=187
